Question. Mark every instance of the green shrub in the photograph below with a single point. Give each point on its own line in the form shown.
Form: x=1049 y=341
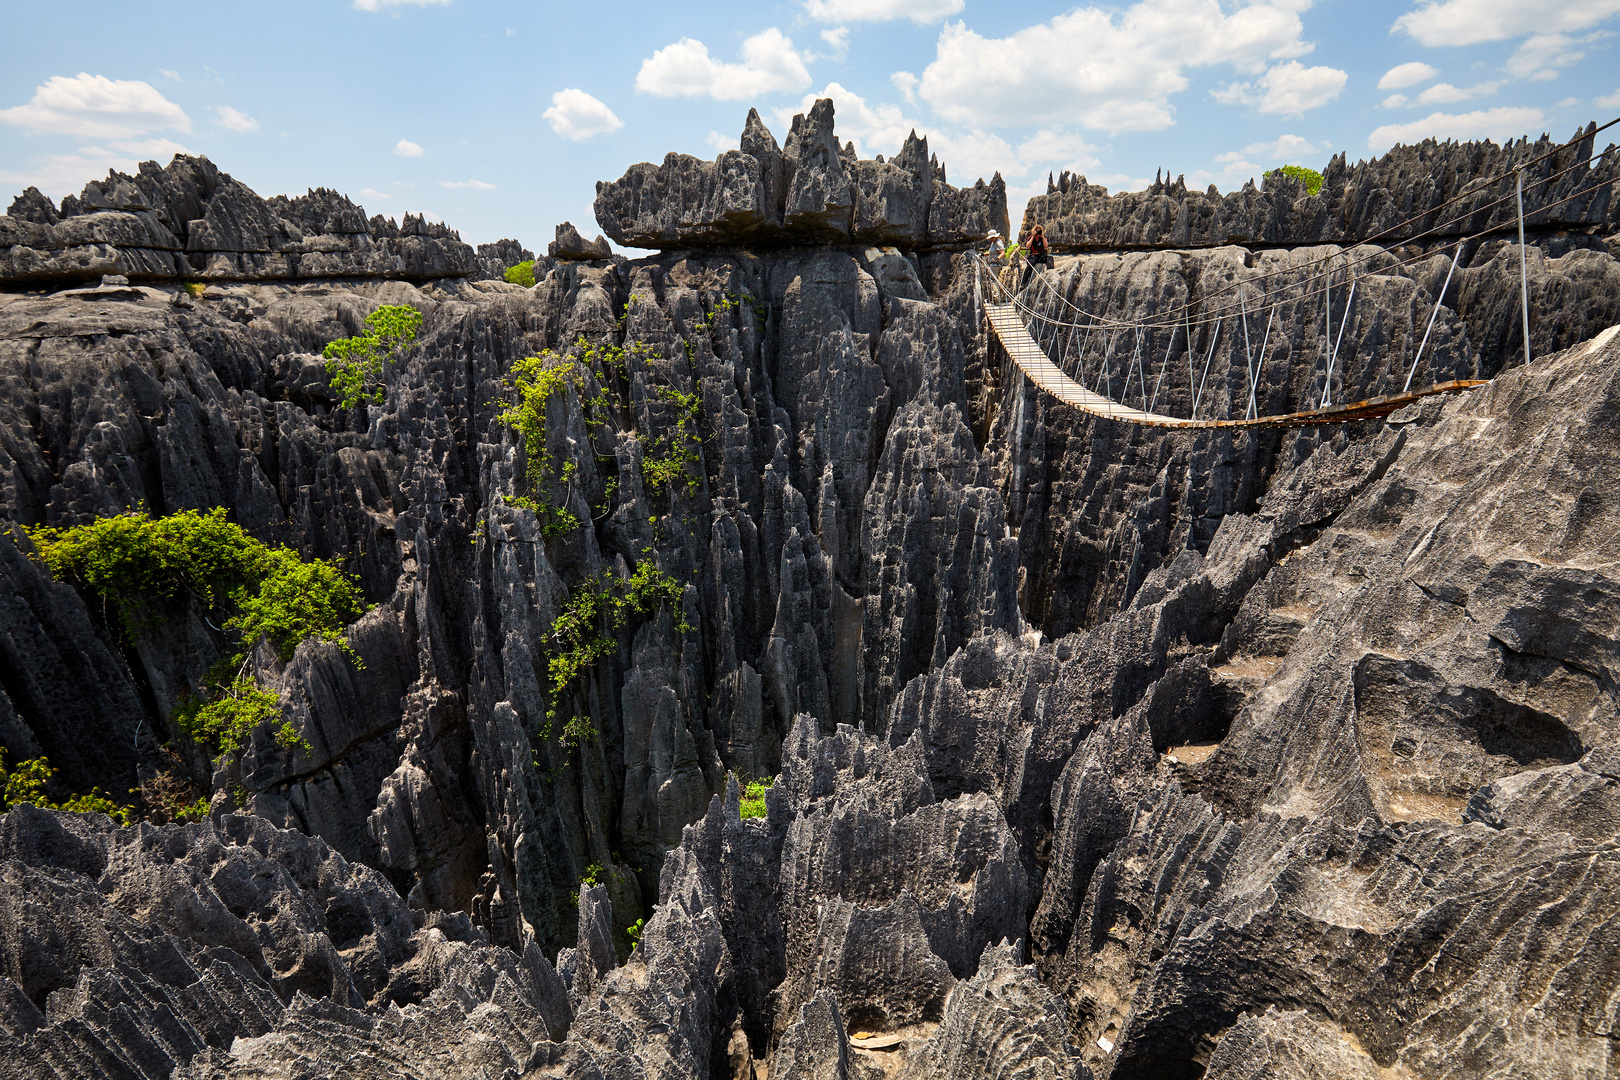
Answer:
x=753 y=797
x=354 y=365
x=225 y=722
x=521 y=274
x=26 y=784
x=671 y=459
x=142 y=566
x=598 y=608
x=633 y=932
x=1309 y=177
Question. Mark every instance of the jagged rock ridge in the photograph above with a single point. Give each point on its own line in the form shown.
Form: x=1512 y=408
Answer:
x=809 y=191
x=1308 y=771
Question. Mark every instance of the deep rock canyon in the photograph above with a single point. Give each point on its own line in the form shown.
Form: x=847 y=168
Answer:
x=1100 y=751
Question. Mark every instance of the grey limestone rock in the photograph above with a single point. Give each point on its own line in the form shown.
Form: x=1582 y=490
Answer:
x=189 y=221
x=1001 y=1023
x=570 y=245
x=810 y=191
x=1396 y=197
x=816 y=1047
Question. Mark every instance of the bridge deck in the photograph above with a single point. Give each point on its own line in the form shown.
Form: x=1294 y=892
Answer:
x=1049 y=377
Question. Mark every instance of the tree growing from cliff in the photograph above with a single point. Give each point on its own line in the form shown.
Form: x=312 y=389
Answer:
x=354 y=365
x=140 y=569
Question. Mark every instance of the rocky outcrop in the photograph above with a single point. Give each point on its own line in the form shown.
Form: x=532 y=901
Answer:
x=809 y=191
x=1098 y=750
x=1394 y=198
x=570 y=245
x=190 y=222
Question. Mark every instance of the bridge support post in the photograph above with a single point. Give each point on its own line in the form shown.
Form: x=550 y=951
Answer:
x=1524 y=273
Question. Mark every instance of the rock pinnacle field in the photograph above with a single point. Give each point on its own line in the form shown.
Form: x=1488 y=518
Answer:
x=708 y=655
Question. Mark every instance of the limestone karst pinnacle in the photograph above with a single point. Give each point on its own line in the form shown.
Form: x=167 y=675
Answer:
x=1098 y=751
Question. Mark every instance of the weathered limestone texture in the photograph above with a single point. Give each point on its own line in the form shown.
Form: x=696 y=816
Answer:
x=1097 y=751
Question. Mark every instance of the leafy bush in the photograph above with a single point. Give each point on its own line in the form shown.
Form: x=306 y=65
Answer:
x=753 y=797
x=354 y=365
x=671 y=458
x=633 y=932
x=141 y=565
x=597 y=609
x=1309 y=177
x=529 y=386
x=521 y=274
x=26 y=784
x=226 y=722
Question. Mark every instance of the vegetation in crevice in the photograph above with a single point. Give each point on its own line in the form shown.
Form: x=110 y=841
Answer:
x=26 y=784
x=585 y=631
x=1309 y=177
x=521 y=274
x=598 y=609
x=140 y=570
x=354 y=365
x=752 y=804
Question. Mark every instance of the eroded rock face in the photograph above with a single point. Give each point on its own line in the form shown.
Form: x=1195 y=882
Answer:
x=810 y=191
x=189 y=221
x=1395 y=197
x=1098 y=751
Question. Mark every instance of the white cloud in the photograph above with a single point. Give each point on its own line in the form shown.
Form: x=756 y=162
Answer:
x=406 y=148
x=576 y=115
x=1499 y=124
x=477 y=185
x=1394 y=101
x=172 y=76
x=373 y=193
x=1293 y=88
x=1542 y=55
x=918 y=11
x=685 y=69
x=906 y=83
x=837 y=39
x=1446 y=94
x=1067 y=149
x=722 y=143
x=378 y=5
x=1288 y=149
x=65 y=174
x=1287 y=89
x=1468 y=22
x=1113 y=69
x=235 y=120
x=97 y=107
x=1401 y=76
x=1608 y=101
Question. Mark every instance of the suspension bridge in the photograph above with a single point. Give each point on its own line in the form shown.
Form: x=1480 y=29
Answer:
x=1039 y=328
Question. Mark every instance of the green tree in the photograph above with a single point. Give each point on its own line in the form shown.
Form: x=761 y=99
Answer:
x=1309 y=177
x=26 y=784
x=354 y=365
x=521 y=274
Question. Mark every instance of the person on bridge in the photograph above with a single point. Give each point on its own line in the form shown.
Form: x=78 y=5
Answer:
x=1039 y=254
x=997 y=248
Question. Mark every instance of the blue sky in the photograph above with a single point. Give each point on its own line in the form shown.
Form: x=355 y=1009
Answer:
x=499 y=118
